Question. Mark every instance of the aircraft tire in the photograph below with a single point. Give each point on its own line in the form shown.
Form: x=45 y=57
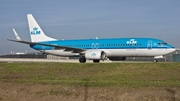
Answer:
x=155 y=60
x=82 y=60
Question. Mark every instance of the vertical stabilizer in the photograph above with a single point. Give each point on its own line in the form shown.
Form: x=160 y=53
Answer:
x=36 y=33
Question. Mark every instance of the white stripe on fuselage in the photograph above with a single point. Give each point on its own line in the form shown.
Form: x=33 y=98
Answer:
x=138 y=52
x=118 y=52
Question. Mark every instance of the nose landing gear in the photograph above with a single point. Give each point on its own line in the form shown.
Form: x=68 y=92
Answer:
x=155 y=60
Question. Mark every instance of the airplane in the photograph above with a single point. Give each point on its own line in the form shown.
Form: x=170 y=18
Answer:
x=114 y=49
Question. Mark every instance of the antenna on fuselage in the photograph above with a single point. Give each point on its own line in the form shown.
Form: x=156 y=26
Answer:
x=96 y=36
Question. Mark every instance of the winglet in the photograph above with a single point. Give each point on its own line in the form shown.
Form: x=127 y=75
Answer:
x=16 y=35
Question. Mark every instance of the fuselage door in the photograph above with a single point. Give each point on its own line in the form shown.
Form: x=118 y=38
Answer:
x=149 y=45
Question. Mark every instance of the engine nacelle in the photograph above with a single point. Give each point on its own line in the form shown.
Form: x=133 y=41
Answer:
x=95 y=55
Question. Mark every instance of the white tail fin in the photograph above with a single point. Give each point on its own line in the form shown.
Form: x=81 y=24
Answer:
x=36 y=33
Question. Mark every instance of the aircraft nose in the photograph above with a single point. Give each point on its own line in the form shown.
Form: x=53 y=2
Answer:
x=173 y=49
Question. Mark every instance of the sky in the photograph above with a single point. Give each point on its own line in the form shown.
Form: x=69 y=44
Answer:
x=78 y=19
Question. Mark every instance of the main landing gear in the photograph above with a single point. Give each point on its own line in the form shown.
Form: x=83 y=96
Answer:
x=82 y=59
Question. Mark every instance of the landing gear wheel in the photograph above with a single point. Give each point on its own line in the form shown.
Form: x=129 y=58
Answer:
x=82 y=59
x=155 y=60
x=96 y=61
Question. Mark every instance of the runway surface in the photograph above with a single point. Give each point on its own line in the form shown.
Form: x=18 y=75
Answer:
x=60 y=60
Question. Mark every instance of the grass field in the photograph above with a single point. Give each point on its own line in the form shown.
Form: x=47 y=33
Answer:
x=89 y=82
x=133 y=75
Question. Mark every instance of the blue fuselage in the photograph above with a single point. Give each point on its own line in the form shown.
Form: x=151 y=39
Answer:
x=108 y=43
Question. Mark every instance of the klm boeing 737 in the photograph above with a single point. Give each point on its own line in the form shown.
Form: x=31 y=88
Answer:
x=94 y=49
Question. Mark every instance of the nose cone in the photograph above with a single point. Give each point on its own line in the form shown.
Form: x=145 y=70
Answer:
x=170 y=50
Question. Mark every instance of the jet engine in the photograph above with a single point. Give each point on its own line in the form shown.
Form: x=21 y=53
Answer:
x=95 y=55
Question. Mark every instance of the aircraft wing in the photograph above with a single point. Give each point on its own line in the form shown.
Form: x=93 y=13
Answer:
x=56 y=47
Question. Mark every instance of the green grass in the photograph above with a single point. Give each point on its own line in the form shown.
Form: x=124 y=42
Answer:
x=133 y=75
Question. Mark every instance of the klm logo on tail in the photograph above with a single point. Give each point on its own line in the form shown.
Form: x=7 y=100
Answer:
x=35 y=31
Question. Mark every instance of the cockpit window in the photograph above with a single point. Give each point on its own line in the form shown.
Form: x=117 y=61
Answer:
x=162 y=43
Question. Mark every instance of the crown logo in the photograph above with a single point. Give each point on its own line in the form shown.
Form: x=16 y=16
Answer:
x=94 y=54
x=35 y=28
x=35 y=31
